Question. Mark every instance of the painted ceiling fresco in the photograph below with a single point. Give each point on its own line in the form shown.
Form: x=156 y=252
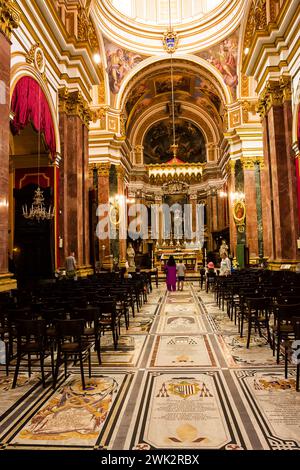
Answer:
x=157 y=88
x=223 y=56
x=119 y=62
x=189 y=138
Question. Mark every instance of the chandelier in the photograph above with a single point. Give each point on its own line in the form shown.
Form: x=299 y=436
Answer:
x=175 y=169
x=38 y=211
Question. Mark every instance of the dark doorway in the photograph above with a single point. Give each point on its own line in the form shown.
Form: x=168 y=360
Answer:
x=33 y=239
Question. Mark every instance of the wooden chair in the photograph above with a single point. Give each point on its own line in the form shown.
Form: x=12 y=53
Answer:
x=69 y=338
x=31 y=339
x=283 y=326
x=258 y=312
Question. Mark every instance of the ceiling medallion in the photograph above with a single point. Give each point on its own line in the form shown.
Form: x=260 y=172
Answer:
x=170 y=41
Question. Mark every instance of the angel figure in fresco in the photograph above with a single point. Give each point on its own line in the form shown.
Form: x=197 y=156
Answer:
x=119 y=63
x=225 y=61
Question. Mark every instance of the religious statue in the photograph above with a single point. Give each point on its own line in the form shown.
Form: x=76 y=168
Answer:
x=131 y=256
x=223 y=249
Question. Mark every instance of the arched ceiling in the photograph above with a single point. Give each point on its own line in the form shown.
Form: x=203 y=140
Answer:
x=150 y=92
x=196 y=34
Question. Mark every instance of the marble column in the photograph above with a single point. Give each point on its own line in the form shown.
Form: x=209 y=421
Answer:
x=193 y=203
x=267 y=198
x=275 y=108
x=103 y=198
x=74 y=178
x=232 y=226
x=251 y=207
x=9 y=19
x=260 y=235
x=123 y=216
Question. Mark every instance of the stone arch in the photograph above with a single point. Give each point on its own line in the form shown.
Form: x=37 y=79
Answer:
x=191 y=113
x=144 y=67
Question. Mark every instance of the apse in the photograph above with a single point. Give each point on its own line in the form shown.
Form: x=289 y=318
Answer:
x=189 y=138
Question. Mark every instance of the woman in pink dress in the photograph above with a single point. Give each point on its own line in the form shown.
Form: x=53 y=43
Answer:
x=171 y=274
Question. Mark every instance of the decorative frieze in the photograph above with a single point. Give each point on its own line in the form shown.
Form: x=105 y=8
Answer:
x=73 y=104
x=9 y=17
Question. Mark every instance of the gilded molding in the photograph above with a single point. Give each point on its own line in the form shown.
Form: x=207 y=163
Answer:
x=72 y=103
x=9 y=17
x=36 y=57
x=123 y=120
x=103 y=169
x=86 y=30
x=245 y=85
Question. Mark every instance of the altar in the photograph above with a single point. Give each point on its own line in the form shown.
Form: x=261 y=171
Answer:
x=191 y=257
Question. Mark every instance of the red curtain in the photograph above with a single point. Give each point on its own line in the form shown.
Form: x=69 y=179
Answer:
x=29 y=104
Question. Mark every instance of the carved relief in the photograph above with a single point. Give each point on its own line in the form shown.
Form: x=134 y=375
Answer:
x=36 y=57
x=175 y=188
x=86 y=30
x=245 y=86
x=99 y=113
x=235 y=118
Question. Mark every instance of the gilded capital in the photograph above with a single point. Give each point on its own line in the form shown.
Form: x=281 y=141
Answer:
x=9 y=17
x=271 y=96
x=103 y=169
x=72 y=103
x=286 y=87
x=250 y=162
x=230 y=167
x=121 y=172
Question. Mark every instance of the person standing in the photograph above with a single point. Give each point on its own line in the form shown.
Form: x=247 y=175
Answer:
x=181 y=268
x=71 y=266
x=170 y=269
x=225 y=267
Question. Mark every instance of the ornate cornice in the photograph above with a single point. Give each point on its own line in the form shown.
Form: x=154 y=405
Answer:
x=72 y=103
x=103 y=169
x=9 y=17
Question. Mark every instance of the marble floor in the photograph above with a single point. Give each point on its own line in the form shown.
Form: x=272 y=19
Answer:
x=182 y=378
